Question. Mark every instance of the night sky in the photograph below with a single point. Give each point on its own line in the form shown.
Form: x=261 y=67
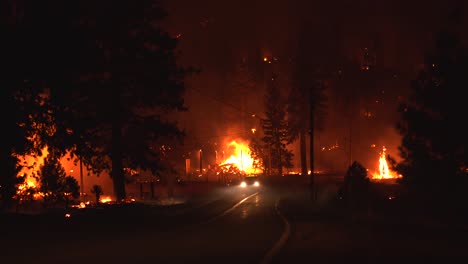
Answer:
x=216 y=36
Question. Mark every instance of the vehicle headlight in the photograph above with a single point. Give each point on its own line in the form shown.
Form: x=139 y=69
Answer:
x=256 y=183
x=243 y=184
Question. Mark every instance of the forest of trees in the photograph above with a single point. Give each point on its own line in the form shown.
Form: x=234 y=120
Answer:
x=91 y=81
x=100 y=83
x=434 y=148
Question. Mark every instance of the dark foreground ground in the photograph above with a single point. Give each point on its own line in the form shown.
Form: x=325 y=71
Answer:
x=388 y=229
x=322 y=230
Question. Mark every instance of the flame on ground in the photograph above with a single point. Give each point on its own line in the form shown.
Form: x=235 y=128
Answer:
x=240 y=157
x=105 y=199
x=384 y=172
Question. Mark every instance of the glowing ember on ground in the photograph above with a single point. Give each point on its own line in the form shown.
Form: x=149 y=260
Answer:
x=105 y=199
x=384 y=171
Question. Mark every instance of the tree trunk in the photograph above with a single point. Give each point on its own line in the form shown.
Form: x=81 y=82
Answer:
x=116 y=152
x=311 y=150
x=8 y=165
x=170 y=185
x=141 y=190
x=303 y=148
x=280 y=162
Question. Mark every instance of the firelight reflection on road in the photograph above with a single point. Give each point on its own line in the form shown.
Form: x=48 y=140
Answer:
x=243 y=232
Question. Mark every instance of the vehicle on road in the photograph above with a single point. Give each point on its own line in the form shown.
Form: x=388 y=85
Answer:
x=250 y=181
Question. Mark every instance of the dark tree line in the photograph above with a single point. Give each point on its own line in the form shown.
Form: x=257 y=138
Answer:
x=434 y=149
x=95 y=79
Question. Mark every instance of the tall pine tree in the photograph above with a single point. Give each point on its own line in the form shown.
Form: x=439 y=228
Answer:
x=275 y=128
x=434 y=149
x=112 y=77
x=21 y=93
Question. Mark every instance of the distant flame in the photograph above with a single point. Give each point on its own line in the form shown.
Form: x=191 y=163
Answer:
x=29 y=183
x=240 y=157
x=105 y=199
x=26 y=187
x=384 y=171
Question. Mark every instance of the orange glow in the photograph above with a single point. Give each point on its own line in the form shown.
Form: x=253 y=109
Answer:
x=105 y=199
x=29 y=183
x=24 y=188
x=240 y=157
x=32 y=164
x=384 y=171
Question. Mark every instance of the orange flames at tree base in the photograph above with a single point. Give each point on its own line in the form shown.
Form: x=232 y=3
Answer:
x=384 y=172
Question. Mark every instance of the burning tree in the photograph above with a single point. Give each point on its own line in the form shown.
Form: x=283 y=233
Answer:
x=24 y=100
x=384 y=171
x=111 y=81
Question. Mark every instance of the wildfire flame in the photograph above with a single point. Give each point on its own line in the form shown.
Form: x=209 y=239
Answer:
x=240 y=157
x=105 y=199
x=28 y=184
x=28 y=188
x=384 y=171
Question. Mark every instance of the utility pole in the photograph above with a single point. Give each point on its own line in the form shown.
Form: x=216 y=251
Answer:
x=350 y=121
x=81 y=178
x=269 y=159
x=201 y=165
x=311 y=150
x=350 y=148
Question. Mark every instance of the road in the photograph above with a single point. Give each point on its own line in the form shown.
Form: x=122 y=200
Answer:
x=242 y=227
x=277 y=223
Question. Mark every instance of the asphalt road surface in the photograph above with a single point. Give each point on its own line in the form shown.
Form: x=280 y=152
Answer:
x=240 y=226
x=277 y=223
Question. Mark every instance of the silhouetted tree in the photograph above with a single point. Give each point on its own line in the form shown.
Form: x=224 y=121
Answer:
x=26 y=192
x=355 y=189
x=275 y=128
x=21 y=98
x=258 y=152
x=434 y=149
x=52 y=179
x=69 y=189
x=112 y=78
x=97 y=191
